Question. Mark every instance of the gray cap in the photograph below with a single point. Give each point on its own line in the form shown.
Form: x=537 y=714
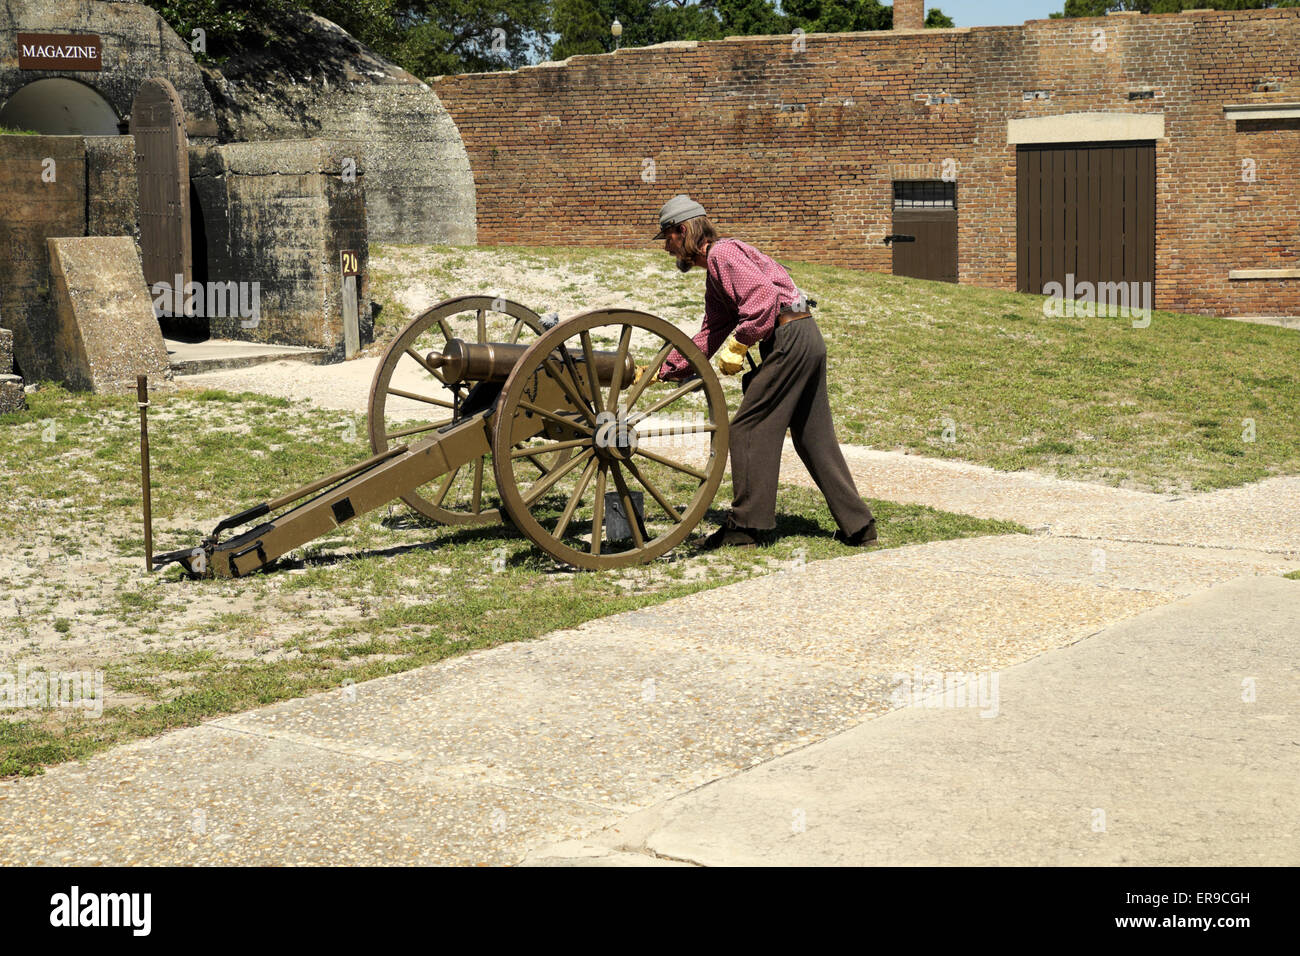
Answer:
x=676 y=211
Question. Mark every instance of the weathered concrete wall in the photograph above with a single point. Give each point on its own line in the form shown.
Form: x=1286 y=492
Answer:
x=106 y=333
x=279 y=214
x=112 y=191
x=37 y=200
x=325 y=84
x=11 y=386
x=796 y=147
x=137 y=44
x=43 y=194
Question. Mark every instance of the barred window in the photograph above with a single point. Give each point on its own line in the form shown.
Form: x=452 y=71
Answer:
x=929 y=193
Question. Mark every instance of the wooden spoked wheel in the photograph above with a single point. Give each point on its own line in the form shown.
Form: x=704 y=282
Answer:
x=664 y=445
x=409 y=400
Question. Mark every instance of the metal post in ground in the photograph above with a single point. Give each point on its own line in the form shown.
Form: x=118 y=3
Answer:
x=142 y=401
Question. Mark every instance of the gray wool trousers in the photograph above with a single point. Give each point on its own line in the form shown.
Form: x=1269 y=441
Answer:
x=788 y=390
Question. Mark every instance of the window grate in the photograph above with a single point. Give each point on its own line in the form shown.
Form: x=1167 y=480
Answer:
x=925 y=193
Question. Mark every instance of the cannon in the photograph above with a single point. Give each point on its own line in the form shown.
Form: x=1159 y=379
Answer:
x=480 y=412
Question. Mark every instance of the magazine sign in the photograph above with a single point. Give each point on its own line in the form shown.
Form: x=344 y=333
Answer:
x=59 y=51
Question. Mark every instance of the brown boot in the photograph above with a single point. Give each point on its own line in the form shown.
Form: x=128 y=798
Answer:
x=864 y=538
x=731 y=535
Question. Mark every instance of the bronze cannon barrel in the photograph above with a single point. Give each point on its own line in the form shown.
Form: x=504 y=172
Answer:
x=462 y=361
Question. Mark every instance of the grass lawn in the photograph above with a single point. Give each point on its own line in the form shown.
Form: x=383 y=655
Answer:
x=1189 y=403
x=384 y=593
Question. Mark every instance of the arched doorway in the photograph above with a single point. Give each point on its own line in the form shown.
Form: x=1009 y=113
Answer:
x=60 y=107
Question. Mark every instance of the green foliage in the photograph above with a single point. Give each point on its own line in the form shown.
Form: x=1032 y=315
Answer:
x=936 y=19
x=750 y=18
x=433 y=37
x=838 y=16
x=224 y=23
x=581 y=27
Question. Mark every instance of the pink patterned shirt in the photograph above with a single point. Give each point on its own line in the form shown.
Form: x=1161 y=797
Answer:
x=743 y=295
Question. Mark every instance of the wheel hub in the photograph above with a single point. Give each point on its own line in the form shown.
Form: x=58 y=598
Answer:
x=615 y=440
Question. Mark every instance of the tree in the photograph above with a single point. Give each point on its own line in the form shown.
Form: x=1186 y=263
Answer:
x=842 y=16
x=742 y=18
x=936 y=19
x=425 y=37
x=431 y=37
x=581 y=27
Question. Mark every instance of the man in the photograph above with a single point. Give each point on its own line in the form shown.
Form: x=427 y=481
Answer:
x=750 y=299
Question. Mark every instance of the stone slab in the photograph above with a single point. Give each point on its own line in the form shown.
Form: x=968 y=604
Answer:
x=213 y=355
x=107 y=333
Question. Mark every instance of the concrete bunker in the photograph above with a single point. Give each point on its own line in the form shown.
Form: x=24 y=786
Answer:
x=239 y=189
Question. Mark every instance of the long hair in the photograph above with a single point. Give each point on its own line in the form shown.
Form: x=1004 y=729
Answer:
x=697 y=233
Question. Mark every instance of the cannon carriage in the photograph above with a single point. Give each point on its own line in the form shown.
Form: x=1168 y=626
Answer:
x=481 y=412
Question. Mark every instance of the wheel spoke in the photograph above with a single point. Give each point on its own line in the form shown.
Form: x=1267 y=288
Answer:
x=446 y=328
x=673 y=514
x=425 y=365
x=565 y=518
x=598 y=508
x=673 y=464
x=620 y=359
x=514 y=333
x=626 y=497
x=576 y=399
x=476 y=503
x=691 y=386
x=572 y=366
x=445 y=486
x=537 y=464
x=482 y=325
x=674 y=430
x=547 y=413
x=532 y=450
x=593 y=376
x=653 y=367
x=542 y=485
x=420 y=398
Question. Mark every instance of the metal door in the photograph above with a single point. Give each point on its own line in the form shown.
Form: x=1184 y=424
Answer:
x=927 y=211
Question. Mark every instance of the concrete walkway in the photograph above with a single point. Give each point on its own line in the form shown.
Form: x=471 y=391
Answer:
x=1168 y=740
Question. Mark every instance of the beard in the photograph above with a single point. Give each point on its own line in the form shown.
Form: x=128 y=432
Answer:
x=684 y=265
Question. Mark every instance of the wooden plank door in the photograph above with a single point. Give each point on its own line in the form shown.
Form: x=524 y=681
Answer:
x=163 y=172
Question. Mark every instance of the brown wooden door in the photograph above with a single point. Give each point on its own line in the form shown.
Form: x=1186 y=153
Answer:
x=1086 y=209
x=926 y=210
x=163 y=172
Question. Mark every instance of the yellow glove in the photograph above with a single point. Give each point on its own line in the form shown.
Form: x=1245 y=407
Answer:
x=731 y=358
x=642 y=371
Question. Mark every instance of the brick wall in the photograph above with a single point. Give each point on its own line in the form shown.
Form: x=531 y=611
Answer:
x=793 y=143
